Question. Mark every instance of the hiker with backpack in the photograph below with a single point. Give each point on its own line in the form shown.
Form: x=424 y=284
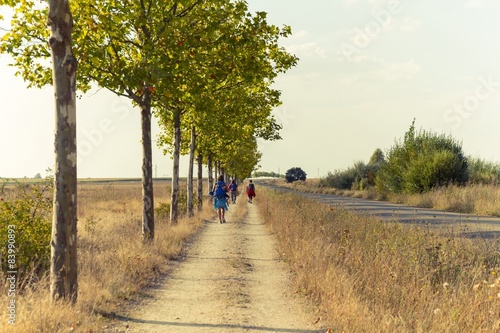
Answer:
x=220 y=198
x=251 y=191
x=233 y=188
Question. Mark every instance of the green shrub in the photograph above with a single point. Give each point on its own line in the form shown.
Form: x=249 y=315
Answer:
x=422 y=161
x=339 y=179
x=482 y=172
x=25 y=226
x=358 y=177
x=163 y=210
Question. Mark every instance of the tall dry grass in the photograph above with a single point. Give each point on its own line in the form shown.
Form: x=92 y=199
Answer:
x=473 y=199
x=114 y=265
x=371 y=276
x=479 y=199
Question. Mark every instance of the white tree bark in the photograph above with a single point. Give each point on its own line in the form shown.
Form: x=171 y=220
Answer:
x=210 y=172
x=148 y=224
x=174 y=204
x=63 y=244
x=200 y=181
x=190 y=187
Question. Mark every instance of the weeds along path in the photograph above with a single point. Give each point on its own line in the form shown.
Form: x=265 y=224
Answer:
x=231 y=281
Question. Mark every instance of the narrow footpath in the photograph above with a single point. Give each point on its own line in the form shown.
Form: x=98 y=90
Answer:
x=231 y=281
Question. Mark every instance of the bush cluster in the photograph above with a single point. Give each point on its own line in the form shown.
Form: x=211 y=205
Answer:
x=417 y=163
x=422 y=161
x=163 y=209
x=27 y=209
x=482 y=172
x=360 y=176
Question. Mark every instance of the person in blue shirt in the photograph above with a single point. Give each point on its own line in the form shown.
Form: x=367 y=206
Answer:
x=220 y=198
x=233 y=188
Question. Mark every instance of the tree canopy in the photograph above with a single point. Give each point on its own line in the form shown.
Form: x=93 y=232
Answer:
x=295 y=174
x=201 y=67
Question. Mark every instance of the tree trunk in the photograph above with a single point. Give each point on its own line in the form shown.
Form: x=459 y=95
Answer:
x=63 y=244
x=192 y=147
x=200 y=181
x=174 y=204
x=210 y=163
x=148 y=223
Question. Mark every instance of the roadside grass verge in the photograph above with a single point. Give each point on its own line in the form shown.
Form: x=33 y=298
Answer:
x=114 y=265
x=479 y=199
x=365 y=275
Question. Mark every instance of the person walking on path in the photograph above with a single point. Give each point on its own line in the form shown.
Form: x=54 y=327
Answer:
x=220 y=198
x=251 y=191
x=233 y=188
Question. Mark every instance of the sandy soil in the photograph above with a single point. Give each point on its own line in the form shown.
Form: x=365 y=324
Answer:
x=231 y=281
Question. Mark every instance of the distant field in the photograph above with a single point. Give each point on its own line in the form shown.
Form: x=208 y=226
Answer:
x=11 y=181
x=114 y=266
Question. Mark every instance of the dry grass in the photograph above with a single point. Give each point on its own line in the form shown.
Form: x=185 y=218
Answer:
x=312 y=186
x=473 y=199
x=370 y=276
x=114 y=266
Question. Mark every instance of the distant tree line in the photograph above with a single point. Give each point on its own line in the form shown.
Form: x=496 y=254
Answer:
x=271 y=174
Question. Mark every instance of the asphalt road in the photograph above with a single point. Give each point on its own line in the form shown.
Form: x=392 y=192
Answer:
x=468 y=225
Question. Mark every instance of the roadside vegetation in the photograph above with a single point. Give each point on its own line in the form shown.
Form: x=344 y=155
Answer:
x=424 y=169
x=114 y=265
x=361 y=273
x=480 y=199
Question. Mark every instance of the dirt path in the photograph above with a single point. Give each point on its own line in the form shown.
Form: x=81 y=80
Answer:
x=231 y=281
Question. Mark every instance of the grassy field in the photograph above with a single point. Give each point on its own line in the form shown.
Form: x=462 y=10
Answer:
x=360 y=274
x=364 y=275
x=114 y=266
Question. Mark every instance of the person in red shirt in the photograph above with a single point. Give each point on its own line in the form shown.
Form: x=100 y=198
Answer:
x=251 y=191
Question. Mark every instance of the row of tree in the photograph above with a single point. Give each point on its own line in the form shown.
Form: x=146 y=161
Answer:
x=205 y=69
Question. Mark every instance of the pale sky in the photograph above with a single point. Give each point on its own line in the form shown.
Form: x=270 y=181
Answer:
x=367 y=68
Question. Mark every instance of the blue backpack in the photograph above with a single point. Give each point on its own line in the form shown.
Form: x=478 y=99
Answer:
x=219 y=191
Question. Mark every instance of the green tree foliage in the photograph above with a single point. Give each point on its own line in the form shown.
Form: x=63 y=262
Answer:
x=26 y=215
x=483 y=172
x=222 y=99
x=194 y=64
x=295 y=174
x=377 y=157
x=422 y=161
x=230 y=71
